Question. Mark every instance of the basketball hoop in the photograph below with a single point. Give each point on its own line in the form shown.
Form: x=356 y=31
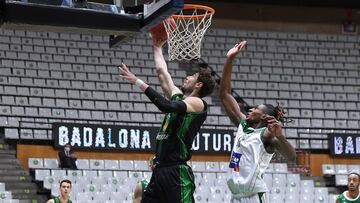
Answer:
x=184 y=40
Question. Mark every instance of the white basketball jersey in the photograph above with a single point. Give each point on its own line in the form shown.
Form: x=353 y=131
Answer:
x=248 y=162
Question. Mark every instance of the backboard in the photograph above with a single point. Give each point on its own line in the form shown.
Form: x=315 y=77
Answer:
x=120 y=23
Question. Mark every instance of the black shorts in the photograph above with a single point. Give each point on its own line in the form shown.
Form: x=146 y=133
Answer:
x=171 y=184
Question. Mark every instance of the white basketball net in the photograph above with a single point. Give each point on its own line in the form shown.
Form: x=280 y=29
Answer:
x=184 y=42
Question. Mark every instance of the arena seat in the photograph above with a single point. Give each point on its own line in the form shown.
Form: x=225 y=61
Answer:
x=328 y=169
x=341 y=179
x=126 y=165
x=35 y=163
x=96 y=164
x=321 y=194
x=198 y=166
x=332 y=198
x=293 y=180
x=292 y=197
x=353 y=168
x=111 y=165
x=51 y=163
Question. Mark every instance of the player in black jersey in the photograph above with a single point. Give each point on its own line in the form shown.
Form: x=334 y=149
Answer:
x=173 y=180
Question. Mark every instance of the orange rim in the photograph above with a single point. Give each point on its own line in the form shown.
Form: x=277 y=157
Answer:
x=210 y=12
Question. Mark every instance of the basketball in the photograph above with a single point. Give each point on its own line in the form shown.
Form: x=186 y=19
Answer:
x=159 y=31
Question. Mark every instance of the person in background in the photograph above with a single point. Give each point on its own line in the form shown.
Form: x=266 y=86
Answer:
x=141 y=186
x=67 y=158
x=352 y=195
x=65 y=189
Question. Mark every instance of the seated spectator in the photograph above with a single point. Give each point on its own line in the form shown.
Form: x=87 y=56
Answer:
x=67 y=158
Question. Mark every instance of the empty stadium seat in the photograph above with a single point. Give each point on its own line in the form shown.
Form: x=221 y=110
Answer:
x=10 y=201
x=2 y=187
x=198 y=166
x=328 y=169
x=51 y=163
x=111 y=164
x=212 y=166
x=82 y=164
x=270 y=168
x=40 y=174
x=292 y=197
x=200 y=198
x=341 y=169
x=55 y=190
x=90 y=173
x=268 y=180
x=307 y=198
x=332 y=198
x=141 y=165
x=96 y=164
x=306 y=187
x=36 y=163
x=98 y=180
x=121 y=174
x=277 y=198
x=321 y=194
x=49 y=181
x=341 y=179
x=353 y=168
x=279 y=180
x=126 y=165
x=280 y=168
x=293 y=180
x=105 y=174
x=223 y=166
x=58 y=174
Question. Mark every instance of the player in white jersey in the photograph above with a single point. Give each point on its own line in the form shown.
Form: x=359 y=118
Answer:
x=259 y=135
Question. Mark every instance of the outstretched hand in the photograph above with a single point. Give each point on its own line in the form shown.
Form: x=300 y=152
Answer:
x=126 y=74
x=235 y=50
x=274 y=126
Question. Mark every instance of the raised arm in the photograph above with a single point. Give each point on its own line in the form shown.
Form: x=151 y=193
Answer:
x=190 y=104
x=165 y=79
x=230 y=104
x=277 y=140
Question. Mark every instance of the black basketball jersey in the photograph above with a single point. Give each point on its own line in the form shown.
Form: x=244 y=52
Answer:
x=177 y=133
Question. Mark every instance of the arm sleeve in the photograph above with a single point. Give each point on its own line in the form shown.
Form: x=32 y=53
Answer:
x=163 y=104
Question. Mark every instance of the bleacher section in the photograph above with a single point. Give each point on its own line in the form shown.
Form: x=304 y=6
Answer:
x=315 y=76
x=91 y=181
x=49 y=77
x=58 y=77
x=6 y=196
x=340 y=171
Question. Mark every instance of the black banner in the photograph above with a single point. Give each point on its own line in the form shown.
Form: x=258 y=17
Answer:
x=133 y=138
x=344 y=144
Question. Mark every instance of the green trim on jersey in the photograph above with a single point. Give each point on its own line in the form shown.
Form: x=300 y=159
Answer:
x=186 y=184
x=144 y=184
x=246 y=127
x=261 y=196
x=57 y=200
x=176 y=134
x=189 y=118
x=344 y=199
